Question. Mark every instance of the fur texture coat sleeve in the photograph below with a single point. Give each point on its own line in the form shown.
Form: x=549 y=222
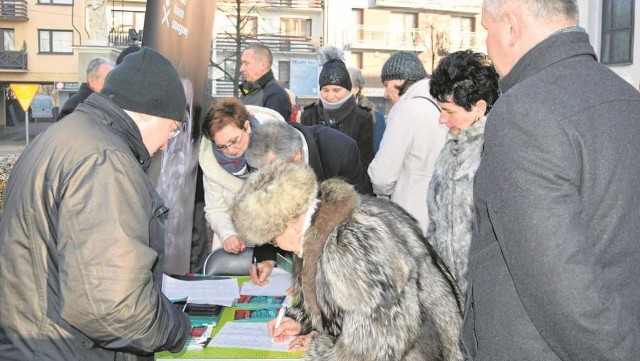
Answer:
x=370 y=285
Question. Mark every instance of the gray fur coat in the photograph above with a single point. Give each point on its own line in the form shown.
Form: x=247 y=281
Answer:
x=371 y=286
x=450 y=199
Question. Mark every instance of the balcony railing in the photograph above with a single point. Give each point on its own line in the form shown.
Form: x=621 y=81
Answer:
x=441 y=5
x=277 y=43
x=384 y=38
x=125 y=38
x=379 y=37
x=13 y=60
x=297 y=4
x=13 y=10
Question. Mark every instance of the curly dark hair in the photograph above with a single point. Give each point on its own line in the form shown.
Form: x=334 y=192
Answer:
x=465 y=77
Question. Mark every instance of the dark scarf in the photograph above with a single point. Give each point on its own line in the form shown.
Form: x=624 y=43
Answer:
x=235 y=166
x=334 y=117
x=249 y=87
x=122 y=123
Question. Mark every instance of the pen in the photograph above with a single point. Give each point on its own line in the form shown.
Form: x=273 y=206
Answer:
x=279 y=319
x=255 y=263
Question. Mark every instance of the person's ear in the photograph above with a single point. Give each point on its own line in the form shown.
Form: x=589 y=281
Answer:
x=247 y=126
x=513 y=27
x=298 y=156
x=480 y=107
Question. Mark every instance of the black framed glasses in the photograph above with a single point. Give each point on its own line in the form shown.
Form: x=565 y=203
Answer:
x=180 y=126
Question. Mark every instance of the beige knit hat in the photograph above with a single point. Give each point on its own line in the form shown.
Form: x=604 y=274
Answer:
x=272 y=197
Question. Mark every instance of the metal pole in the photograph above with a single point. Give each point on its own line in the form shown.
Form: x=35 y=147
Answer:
x=26 y=125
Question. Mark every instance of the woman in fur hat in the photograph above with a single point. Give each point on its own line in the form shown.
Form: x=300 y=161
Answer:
x=369 y=286
x=465 y=85
x=337 y=107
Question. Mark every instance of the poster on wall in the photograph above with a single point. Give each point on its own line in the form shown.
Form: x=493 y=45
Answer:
x=304 y=77
x=182 y=31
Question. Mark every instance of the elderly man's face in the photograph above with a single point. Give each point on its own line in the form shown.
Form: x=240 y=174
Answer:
x=97 y=82
x=253 y=66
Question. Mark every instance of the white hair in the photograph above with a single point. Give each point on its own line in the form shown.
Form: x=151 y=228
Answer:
x=539 y=9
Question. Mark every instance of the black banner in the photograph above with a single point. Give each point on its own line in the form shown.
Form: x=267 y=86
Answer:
x=182 y=31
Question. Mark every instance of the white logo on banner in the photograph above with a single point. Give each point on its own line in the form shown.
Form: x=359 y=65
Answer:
x=178 y=11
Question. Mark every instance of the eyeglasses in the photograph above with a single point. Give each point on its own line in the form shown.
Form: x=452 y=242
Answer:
x=233 y=143
x=179 y=127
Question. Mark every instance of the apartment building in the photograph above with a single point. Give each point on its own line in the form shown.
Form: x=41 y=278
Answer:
x=50 y=42
x=430 y=28
x=292 y=29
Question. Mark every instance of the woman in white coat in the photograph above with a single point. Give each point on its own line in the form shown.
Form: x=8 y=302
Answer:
x=226 y=130
x=403 y=166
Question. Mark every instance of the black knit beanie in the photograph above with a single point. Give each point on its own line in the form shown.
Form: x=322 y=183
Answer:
x=333 y=72
x=403 y=65
x=146 y=82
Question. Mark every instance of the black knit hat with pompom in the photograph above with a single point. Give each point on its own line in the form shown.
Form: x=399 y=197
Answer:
x=333 y=72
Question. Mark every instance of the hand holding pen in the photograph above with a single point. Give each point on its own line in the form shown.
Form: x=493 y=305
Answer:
x=260 y=271
x=282 y=327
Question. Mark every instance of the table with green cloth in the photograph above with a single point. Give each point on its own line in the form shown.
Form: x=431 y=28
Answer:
x=234 y=354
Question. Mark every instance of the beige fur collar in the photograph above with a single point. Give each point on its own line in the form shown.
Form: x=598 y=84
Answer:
x=338 y=200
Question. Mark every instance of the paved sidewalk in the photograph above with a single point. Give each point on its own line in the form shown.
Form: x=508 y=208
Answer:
x=12 y=139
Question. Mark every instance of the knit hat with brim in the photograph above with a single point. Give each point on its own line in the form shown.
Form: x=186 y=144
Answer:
x=271 y=198
x=403 y=65
x=146 y=82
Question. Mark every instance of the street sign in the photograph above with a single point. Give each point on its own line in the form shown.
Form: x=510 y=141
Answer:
x=24 y=93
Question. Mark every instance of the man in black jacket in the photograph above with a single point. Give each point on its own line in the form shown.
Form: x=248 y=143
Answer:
x=259 y=86
x=330 y=153
x=97 y=71
x=82 y=228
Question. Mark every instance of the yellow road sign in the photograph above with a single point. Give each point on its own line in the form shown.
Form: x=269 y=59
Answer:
x=24 y=93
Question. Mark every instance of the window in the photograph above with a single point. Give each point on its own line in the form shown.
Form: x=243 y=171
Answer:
x=358 y=20
x=55 y=41
x=123 y=20
x=7 y=39
x=402 y=27
x=356 y=59
x=230 y=68
x=249 y=26
x=295 y=27
x=460 y=32
x=617 y=32
x=56 y=2
x=284 y=71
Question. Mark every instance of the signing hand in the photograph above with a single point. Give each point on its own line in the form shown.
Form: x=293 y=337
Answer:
x=302 y=343
x=234 y=244
x=288 y=327
x=261 y=271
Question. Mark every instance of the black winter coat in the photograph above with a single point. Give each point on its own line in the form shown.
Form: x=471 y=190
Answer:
x=351 y=119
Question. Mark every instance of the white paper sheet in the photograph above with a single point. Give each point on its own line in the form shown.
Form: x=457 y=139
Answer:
x=279 y=283
x=216 y=292
x=253 y=335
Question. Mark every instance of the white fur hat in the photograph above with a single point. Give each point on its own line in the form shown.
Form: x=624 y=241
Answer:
x=272 y=197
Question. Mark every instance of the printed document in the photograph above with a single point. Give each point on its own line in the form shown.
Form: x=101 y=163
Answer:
x=215 y=292
x=253 y=335
x=279 y=283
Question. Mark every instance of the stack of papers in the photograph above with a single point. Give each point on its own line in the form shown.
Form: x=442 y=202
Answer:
x=215 y=292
